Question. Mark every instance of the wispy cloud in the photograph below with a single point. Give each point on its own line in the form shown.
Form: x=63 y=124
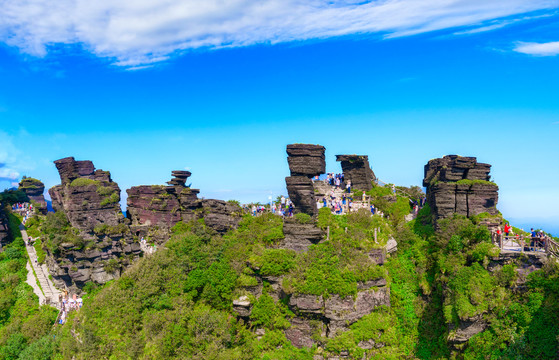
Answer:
x=538 y=49
x=139 y=33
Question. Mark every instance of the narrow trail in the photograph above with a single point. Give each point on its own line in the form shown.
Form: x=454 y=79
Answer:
x=49 y=294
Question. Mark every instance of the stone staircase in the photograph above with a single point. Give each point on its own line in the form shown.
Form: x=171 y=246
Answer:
x=48 y=294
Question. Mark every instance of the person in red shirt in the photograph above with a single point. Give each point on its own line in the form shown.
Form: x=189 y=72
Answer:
x=507 y=229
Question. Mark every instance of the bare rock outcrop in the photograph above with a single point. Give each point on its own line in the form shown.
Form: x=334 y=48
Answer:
x=461 y=185
x=356 y=168
x=299 y=237
x=88 y=197
x=164 y=206
x=337 y=312
x=305 y=161
x=5 y=237
x=34 y=189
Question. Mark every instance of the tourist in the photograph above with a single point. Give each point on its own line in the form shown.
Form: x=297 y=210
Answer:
x=253 y=210
x=507 y=229
x=372 y=209
x=282 y=201
x=348 y=186
x=290 y=209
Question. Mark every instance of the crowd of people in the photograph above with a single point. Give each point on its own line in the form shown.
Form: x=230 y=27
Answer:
x=25 y=209
x=283 y=207
x=538 y=238
x=67 y=304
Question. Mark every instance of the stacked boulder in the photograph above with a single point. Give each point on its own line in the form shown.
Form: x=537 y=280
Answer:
x=164 y=206
x=34 y=189
x=356 y=169
x=305 y=162
x=457 y=184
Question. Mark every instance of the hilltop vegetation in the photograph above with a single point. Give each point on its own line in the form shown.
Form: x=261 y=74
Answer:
x=177 y=303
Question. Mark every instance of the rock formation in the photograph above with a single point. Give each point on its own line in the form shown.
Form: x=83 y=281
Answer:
x=357 y=169
x=4 y=230
x=298 y=236
x=34 y=189
x=164 y=206
x=305 y=161
x=461 y=185
x=88 y=197
x=104 y=245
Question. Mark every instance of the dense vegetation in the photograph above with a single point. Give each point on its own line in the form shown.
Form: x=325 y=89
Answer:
x=24 y=325
x=177 y=303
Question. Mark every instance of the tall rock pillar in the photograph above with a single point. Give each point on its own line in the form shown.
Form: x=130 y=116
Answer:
x=305 y=161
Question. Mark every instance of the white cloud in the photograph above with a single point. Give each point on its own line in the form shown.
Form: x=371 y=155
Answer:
x=538 y=49
x=7 y=173
x=142 y=32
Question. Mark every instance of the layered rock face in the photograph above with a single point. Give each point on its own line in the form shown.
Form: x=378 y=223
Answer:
x=4 y=230
x=34 y=189
x=357 y=169
x=88 y=197
x=461 y=185
x=104 y=246
x=305 y=161
x=298 y=236
x=164 y=206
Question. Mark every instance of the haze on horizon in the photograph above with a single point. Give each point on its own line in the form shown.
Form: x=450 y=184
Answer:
x=220 y=88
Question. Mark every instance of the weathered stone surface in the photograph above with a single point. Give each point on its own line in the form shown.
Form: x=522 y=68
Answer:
x=70 y=169
x=466 y=329
x=337 y=312
x=221 y=215
x=34 y=189
x=447 y=194
x=356 y=168
x=299 y=237
x=5 y=237
x=89 y=204
x=242 y=306
x=350 y=310
x=153 y=205
x=304 y=303
x=306 y=159
x=301 y=331
x=164 y=206
x=451 y=168
x=301 y=192
x=378 y=256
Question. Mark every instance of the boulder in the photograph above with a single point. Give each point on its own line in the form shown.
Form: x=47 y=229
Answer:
x=299 y=237
x=301 y=192
x=306 y=159
x=356 y=168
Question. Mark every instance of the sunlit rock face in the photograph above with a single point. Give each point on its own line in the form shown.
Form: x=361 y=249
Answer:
x=305 y=161
x=457 y=184
x=356 y=168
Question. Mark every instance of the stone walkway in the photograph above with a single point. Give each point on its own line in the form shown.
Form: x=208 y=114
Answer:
x=49 y=294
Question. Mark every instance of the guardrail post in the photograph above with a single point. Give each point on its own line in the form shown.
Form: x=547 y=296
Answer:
x=500 y=241
x=328 y=233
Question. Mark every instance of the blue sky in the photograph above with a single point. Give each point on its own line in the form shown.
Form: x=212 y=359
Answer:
x=221 y=88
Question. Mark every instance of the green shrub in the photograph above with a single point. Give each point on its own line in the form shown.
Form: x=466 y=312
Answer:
x=105 y=190
x=113 y=198
x=266 y=313
x=276 y=262
x=81 y=181
x=303 y=218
